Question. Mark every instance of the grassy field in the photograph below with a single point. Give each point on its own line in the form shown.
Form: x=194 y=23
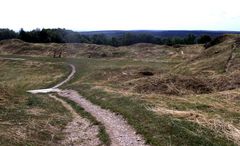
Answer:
x=27 y=119
x=169 y=97
x=162 y=119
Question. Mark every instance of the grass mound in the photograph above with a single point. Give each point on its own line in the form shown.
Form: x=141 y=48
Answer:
x=180 y=85
x=173 y=85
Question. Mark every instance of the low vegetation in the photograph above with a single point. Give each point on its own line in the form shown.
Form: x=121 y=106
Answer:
x=27 y=119
x=172 y=95
x=143 y=111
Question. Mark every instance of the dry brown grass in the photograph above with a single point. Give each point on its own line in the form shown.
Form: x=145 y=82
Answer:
x=190 y=86
x=26 y=119
x=138 y=51
x=181 y=85
x=218 y=125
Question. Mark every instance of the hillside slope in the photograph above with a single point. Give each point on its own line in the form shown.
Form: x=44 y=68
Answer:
x=136 y=51
x=222 y=56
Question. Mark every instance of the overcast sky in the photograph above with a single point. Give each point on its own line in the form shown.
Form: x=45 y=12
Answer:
x=84 y=15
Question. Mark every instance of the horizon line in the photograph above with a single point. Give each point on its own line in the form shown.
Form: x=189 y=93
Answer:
x=109 y=30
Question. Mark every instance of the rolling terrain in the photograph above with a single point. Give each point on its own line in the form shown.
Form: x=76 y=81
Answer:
x=171 y=95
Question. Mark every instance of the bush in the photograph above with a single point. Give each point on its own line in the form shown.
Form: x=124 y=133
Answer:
x=204 y=39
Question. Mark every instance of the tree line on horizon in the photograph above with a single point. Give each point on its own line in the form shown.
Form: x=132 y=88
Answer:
x=68 y=36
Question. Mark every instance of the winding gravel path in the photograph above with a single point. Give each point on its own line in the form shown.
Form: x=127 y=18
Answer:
x=79 y=131
x=120 y=132
x=14 y=59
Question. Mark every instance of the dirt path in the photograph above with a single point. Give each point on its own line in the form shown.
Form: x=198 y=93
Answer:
x=120 y=132
x=68 y=78
x=79 y=131
x=231 y=58
x=14 y=59
x=55 y=88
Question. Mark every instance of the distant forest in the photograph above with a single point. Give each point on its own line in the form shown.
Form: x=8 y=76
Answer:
x=113 y=38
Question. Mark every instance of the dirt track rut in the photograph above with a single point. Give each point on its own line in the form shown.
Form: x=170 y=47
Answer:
x=120 y=132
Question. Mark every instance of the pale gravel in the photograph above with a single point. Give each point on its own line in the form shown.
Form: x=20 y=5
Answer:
x=120 y=132
x=14 y=59
x=80 y=131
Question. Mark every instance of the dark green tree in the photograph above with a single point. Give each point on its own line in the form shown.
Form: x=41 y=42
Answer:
x=99 y=39
x=114 y=42
x=24 y=35
x=7 y=34
x=204 y=39
x=190 y=39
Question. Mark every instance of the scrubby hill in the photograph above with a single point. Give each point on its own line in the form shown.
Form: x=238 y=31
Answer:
x=222 y=55
x=136 y=51
x=172 y=95
x=18 y=47
x=215 y=68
